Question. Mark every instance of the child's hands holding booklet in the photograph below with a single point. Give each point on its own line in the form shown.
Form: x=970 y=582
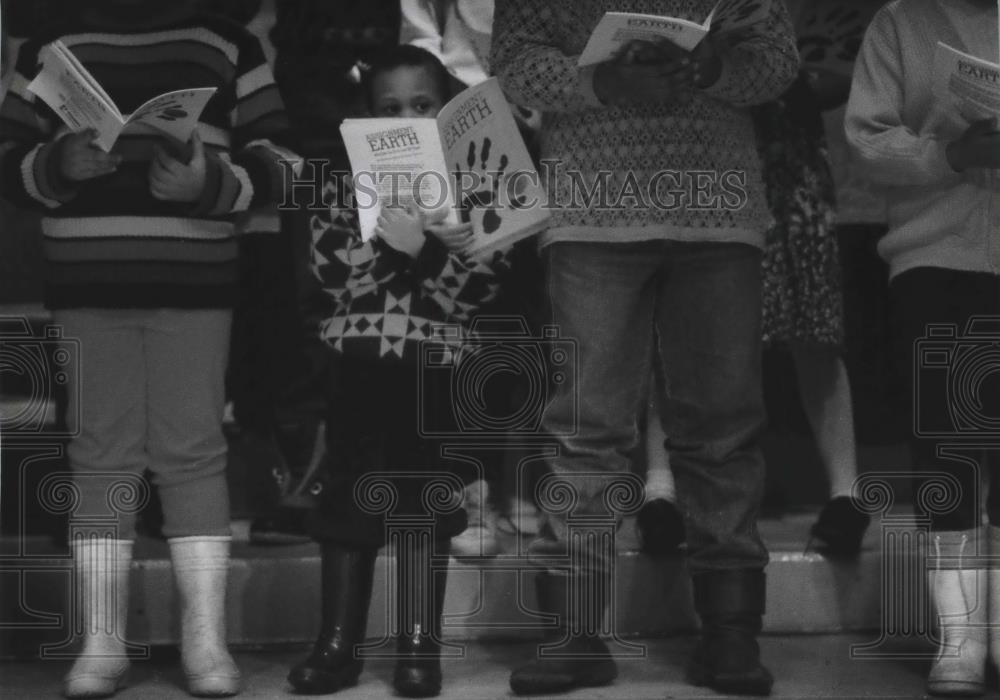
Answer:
x=80 y=159
x=179 y=177
x=402 y=228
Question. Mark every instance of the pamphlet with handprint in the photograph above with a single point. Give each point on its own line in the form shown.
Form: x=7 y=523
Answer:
x=469 y=165
x=966 y=85
x=617 y=29
x=80 y=101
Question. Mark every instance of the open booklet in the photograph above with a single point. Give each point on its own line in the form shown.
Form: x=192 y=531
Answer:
x=469 y=164
x=80 y=101
x=965 y=84
x=617 y=29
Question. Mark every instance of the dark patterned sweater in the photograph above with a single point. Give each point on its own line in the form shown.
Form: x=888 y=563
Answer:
x=653 y=171
x=385 y=304
x=108 y=242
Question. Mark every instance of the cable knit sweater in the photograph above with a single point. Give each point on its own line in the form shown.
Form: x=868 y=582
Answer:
x=687 y=172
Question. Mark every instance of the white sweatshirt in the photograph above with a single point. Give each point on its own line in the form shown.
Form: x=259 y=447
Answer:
x=456 y=31
x=937 y=217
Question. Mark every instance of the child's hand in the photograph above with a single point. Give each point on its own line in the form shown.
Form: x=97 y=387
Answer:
x=81 y=160
x=455 y=237
x=402 y=229
x=978 y=147
x=171 y=180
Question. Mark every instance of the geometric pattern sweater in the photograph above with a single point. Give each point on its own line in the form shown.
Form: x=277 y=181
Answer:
x=687 y=172
x=108 y=242
x=385 y=304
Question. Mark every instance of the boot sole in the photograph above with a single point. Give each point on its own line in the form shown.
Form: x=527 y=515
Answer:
x=956 y=689
x=322 y=683
x=594 y=679
x=731 y=685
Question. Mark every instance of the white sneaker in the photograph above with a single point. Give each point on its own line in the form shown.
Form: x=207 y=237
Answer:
x=479 y=539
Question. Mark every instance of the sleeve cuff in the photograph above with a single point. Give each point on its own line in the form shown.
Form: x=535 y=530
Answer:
x=586 y=78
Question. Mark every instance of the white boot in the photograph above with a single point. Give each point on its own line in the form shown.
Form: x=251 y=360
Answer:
x=101 y=597
x=994 y=596
x=201 y=567
x=960 y=598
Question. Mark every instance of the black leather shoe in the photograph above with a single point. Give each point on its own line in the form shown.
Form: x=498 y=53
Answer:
x=841 y=527
x=346 y=592
x=329 y=668
x=661 y=527
x=592 y=667
x=731 y=606
x=584 y=661
x=420 y=592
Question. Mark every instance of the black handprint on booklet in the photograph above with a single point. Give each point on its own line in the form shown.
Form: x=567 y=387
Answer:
x=487 y=196
x=169 y=111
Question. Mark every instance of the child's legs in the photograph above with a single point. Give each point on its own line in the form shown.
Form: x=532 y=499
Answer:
x=825 y=390
x=920 y=297
x=187 y=352
x=708 y=319
x=108 y=402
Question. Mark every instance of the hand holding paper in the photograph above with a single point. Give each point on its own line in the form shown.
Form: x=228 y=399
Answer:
x=80 y=159
x=978 y=147
x=402 y=229
x=645 y=72
x=454 y=237
x=175 y=181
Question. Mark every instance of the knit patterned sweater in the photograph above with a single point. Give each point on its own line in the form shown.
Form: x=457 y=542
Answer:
x=652 y=171
x=108 y=242
x=384 y=304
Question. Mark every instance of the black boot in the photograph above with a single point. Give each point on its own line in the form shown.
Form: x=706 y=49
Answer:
x=727 y=658
x=579 y=657
x=346 y=593
x=420 y=596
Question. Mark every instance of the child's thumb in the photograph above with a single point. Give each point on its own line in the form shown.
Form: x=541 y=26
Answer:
x=197 y=148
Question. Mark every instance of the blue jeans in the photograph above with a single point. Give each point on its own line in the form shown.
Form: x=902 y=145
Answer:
x=703 y=300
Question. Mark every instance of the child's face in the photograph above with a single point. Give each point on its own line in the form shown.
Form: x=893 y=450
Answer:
x=407 y=92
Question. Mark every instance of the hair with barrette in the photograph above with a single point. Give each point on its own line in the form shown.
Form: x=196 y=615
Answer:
x=403 y=55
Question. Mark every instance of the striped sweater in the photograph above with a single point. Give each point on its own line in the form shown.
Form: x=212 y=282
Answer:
x=108 y=242
x=643 y=171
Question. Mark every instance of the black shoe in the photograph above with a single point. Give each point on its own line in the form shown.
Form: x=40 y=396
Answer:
x=727 y=659
x=283 y=526
x=346 y=593
x=841 y=527
x=420 y=595
x=592 y=667
x=583 y=661
x=661 y=527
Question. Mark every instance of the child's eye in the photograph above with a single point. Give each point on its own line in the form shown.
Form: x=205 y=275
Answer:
x=423 y=107
x=389 y=110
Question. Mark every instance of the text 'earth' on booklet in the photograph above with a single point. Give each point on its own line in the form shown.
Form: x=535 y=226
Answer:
x=469 y=164
x=965 y=84
x=80 y=101
x=617 y=29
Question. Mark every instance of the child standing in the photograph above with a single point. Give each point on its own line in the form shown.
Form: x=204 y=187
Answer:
x=142 y=270
x=386 y=295
x=938 y=171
